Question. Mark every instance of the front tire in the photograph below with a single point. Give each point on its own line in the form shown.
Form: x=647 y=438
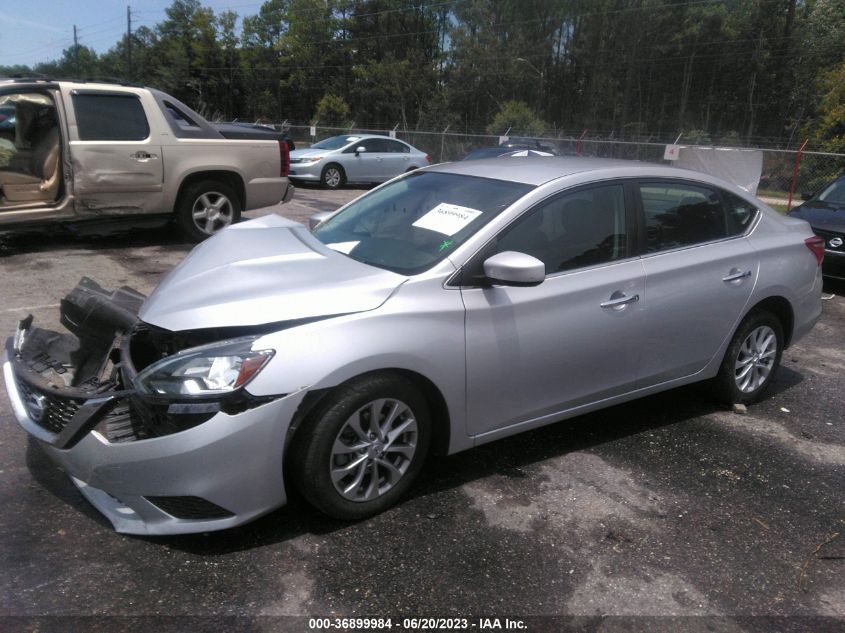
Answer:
x=332 y=176
x=751 y=360
x=207 y=207
x=360 y=451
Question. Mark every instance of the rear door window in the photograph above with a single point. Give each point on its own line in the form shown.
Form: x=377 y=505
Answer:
x=110 y=117
x=395 y=147
x=680 y=214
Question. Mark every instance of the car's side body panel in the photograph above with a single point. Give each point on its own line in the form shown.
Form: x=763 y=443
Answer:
x=788 y=268
x=420 y=329
x=691 y=309
x=121 y=177
x=533 y=351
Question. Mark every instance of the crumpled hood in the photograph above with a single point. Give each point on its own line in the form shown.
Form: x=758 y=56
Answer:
x=264 y=271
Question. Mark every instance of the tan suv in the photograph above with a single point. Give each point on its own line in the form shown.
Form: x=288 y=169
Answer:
x=88 y=153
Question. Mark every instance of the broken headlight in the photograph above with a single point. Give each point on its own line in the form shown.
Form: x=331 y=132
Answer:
x=215 y=369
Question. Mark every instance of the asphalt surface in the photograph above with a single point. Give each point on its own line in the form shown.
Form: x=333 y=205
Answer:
x=643 y=516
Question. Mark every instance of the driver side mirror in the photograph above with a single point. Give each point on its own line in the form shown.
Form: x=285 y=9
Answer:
x=514 y=269
x=360 y=150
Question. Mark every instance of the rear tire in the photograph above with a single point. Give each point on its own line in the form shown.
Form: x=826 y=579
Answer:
x=751 y=360
x=207 y=207
x=349 y=467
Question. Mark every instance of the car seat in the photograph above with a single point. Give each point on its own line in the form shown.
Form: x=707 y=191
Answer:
x=41 y=179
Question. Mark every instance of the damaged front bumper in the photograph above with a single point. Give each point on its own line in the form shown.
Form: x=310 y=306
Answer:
x=150 y=466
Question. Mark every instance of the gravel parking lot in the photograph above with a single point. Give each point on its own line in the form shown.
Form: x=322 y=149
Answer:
x=669 y=506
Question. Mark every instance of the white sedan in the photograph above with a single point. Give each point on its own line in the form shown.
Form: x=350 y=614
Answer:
x=355 y=158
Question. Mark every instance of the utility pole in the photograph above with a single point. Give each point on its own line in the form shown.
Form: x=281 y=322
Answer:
x=75 y=51
x=129 y=42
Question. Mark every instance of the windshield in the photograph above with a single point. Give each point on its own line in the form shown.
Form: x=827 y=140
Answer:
x=834 y=193
x=335 y=142
x=411 y=224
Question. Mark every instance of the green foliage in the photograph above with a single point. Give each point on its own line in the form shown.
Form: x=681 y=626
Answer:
x=731 y=138
x=332 y=110
x=827 y=131
x=517 y=117
x=696 y=137
x=732 y=72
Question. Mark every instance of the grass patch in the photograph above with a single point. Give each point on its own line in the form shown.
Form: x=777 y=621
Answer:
x=772 y=193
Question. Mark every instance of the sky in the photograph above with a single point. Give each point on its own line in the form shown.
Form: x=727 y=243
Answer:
x=33 y=31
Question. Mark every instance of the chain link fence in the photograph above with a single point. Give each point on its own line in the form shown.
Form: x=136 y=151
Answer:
x=815 y=169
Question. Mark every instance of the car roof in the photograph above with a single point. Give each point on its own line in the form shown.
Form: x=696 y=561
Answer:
x=360 y=136
x=538 y=170
x=530 y=170
x=488 y=151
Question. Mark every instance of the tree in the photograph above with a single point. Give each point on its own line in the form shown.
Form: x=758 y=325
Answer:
x=827 y=129
x=755 y=71
x=332 y=110
x=515 y=117
x=262 y=72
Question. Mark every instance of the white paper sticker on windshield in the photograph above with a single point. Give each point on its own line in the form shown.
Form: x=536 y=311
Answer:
x=343 y=247
x=447 y=218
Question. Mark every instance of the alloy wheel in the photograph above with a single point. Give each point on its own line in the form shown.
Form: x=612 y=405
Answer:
x=212 y=211
x=755 y=359
x=332 y=177
x=373 y=450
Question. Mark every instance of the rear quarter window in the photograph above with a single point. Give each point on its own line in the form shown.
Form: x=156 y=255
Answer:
x=739 y=214
x=102 y=117
x=182 y=120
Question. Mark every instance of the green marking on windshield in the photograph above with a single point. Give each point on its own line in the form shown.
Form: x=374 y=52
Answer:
x=446 y=244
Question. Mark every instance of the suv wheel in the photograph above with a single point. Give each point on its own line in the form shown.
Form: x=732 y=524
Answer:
x=207 y=207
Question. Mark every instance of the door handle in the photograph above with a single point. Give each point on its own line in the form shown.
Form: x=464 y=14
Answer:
x=619 y=300
x=736 y=274
x=142 y=155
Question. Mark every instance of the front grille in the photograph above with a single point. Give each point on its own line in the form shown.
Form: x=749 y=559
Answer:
x=123 y=423
x=48 y=411
x=191 y=508
x=829 y=235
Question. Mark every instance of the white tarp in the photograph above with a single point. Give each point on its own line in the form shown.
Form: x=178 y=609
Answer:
x=742 y=167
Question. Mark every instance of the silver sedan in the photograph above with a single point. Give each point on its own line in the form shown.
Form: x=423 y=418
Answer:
x=450 y=307
x=355 y=158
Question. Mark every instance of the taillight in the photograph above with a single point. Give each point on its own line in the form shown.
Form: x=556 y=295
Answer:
x=816 y=244
x=284 y=157
x=428 y=159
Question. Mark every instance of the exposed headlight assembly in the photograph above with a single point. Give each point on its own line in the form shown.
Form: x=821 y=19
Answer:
x=310 y=159
x=208 y=370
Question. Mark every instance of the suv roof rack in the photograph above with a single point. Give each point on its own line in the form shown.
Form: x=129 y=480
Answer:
x=21 y=78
